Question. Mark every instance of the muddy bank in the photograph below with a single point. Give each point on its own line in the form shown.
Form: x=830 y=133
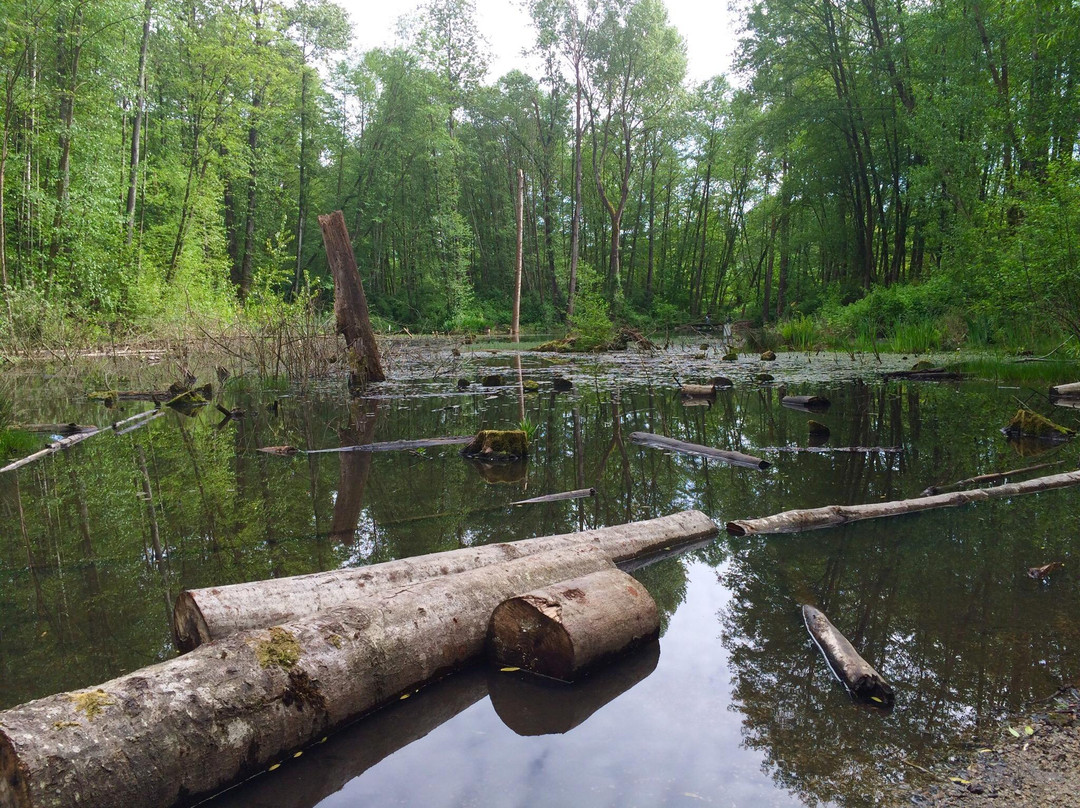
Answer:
x=1029 y=761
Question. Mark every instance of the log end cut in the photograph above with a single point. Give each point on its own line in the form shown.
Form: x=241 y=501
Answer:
x=189 y=627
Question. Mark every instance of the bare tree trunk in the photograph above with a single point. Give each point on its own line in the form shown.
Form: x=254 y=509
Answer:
x=136 y=124
x=515 y=326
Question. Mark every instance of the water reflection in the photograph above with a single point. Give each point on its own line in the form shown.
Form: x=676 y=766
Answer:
x=95 y=543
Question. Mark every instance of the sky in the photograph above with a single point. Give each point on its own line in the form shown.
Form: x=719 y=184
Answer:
x=707 y=25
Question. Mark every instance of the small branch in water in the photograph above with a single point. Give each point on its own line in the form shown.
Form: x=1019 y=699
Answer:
x=581 y=493
x=708 y=452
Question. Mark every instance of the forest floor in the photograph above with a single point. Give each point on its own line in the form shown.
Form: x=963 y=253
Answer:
x=1037 y=769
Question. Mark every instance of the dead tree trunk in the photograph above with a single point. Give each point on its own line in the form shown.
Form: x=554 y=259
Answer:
x=856 y=673
x=202 y=615
x=174 y=732
x=350 y=304
x=561 y=631
x=832 y=515
x=708 y=452
x=519 y=261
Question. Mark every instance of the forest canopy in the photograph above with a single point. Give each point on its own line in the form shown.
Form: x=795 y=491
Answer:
x=868 y=168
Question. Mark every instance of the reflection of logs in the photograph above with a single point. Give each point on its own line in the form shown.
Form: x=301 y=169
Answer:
x=832 y=515
x=562 y=630
x=530 y=705
x=191 y=726
x=708 y=452
x=855 y=672
x=581 y=493
x=201 y=615
x=328 y=767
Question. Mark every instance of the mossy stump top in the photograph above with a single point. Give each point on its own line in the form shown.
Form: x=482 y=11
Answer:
x=498 y=444
x=1029 y=424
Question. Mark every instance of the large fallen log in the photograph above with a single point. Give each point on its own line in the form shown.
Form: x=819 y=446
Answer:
x=181 y=730
x=985 y=478
x=201 y=615
x=806 y=403
x=563 y=630
x=857 y=675
x=672 y=445
x=832 y=515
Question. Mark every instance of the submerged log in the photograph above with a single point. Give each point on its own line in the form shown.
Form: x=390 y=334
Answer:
x=985 y=478
x=581 y=493
x=202 y=615
x=184 y=729
x=832 y=515
x=858 y=676
x=562 y=631
x=56 y=429
x=806 y=403
x=672 y=445
x=697 y=391
x=928 y=374
x=350 y=304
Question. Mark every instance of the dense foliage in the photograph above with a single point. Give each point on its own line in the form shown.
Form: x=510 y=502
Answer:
x=163 y=158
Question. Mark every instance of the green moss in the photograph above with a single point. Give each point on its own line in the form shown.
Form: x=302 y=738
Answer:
x=91 y=703
x=496 y=443
x=1030 y=424
x=280 y=649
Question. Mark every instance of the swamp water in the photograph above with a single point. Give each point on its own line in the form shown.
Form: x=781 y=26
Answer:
x=734 y=707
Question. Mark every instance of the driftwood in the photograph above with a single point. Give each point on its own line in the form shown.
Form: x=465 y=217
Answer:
x=806 y=403
x=835 y=449
x=531 y=705
x=581 y=493
x=1065 y=390
x=201 y=615
x=672 y=445
x=985 y=478
x=350 y=304
x=175 y=732
x=832 y=515
x=857 y=675
x=561 y=631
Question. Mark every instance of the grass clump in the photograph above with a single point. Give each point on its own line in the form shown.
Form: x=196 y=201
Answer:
x=281 y=649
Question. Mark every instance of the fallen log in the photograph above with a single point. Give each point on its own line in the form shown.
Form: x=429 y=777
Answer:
x=52 y=448
x=924 y=375
x=856 y=674
x=806 y=403
x=697 y=391
x=672 y=445
x=1065 y=390
x=832 y=515
x=985 y=478
x=56 y=429
x=392 y=445
x=133 y=424
x=181 y=730
x=581 y=493
x=202 y=615
x=564 y=630
x=834 y=449
x=530 y=705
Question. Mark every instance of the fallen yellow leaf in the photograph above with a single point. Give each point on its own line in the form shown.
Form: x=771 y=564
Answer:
x=509 y=669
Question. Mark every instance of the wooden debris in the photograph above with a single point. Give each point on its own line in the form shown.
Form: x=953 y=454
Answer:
x=490 y=444
x=832 y=515
x=927 y=374
x=672 y=445
x=1065 y=390
x=561 y=631
x=56 y=429
x=698 y=391
x=281 y=451
x=834 y=449
x=806 y=403
x=858 y=676
x=202 y=615
x=184 y=729
x=399 y=445
x=985 y=478
x=1043 y=572
x=581 y=493
x=350 y=304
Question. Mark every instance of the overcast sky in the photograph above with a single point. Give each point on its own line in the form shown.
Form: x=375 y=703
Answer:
x=707 y=26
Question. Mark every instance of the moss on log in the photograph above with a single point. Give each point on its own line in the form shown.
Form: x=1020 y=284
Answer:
x=498 y=444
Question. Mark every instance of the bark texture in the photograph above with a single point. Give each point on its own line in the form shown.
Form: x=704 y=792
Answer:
x=350 y=303
x=856 y=673
x=562 y=631
x=173 y=733
x=832 y=515
x=672 y=445
x=202 y=615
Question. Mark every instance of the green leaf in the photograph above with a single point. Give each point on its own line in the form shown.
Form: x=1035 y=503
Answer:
x=1029 y=731
x=1014 y=733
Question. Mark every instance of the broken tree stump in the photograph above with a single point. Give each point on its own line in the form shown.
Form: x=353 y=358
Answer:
x=181 y=730
x=498 y=444
x=858 y=676
x=202 y=615
x=564 y=630
x=350 y=304
x=708 y=452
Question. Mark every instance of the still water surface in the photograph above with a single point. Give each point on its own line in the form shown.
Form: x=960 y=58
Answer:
x=733 y=707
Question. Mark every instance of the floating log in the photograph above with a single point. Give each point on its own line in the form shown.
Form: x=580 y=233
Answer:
x=835 y=449
x=350 y=304
x=398 y=445
x=202 y=615
x=985 y=478
x=562 y=631
x=1041 y=573
x=832 y=515
x=490 y=444
x=924 y=375
x=52 y=448
x=56 y=429
x=184 y=729
x=857 y=675
x=672 y=445
x=806 y=403
x=581 y=493
x=698 y=390
x=1065 y=390
x=530 y=705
